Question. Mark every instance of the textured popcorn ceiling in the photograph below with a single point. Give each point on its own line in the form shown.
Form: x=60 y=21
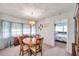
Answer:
x=35 y=11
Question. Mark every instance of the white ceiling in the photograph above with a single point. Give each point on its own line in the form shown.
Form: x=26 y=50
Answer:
x=35 y=11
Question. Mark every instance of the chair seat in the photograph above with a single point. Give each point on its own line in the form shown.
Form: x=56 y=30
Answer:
x=34 y=49
x=25 y=47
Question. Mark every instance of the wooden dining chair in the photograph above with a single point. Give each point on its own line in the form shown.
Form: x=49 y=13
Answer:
x=23 y=48
x=36 y=48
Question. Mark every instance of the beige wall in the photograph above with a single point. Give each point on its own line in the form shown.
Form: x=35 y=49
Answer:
x=48 y=32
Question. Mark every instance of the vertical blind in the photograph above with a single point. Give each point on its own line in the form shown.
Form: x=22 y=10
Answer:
x=26 y=29
x=6 y=29
x=33 y=30
x=15 y=29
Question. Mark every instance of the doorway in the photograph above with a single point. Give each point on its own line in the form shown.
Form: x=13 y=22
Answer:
x=61 y=33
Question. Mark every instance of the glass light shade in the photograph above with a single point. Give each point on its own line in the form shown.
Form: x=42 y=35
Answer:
x=32 y=22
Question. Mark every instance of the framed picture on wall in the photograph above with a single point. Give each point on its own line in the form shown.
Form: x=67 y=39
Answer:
x=40 y=27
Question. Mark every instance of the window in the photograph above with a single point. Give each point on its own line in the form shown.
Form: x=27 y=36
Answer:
x=13 y=29
x=33 y=30
x=26 y=29
x=0 y=29
x=16 y=29
x=6 y=29
x=61 y=27
x=19 y=29
x=65 y=28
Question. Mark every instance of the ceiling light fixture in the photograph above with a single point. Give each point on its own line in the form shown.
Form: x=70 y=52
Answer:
x=32 y=22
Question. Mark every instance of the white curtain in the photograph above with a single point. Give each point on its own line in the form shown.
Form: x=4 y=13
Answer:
x=33 y=30
x=16 y=29
x=26 y=29
x=6 y=29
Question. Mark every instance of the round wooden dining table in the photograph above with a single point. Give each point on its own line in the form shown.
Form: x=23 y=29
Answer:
x=29 y=41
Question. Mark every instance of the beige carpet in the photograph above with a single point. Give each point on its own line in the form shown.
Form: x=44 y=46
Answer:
x=47 y=51
x=60 y=44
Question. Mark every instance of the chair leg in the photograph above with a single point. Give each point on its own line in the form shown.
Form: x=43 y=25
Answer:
x=20 y=52
x=29 y=54
x=41 y=53
x=35 y=54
